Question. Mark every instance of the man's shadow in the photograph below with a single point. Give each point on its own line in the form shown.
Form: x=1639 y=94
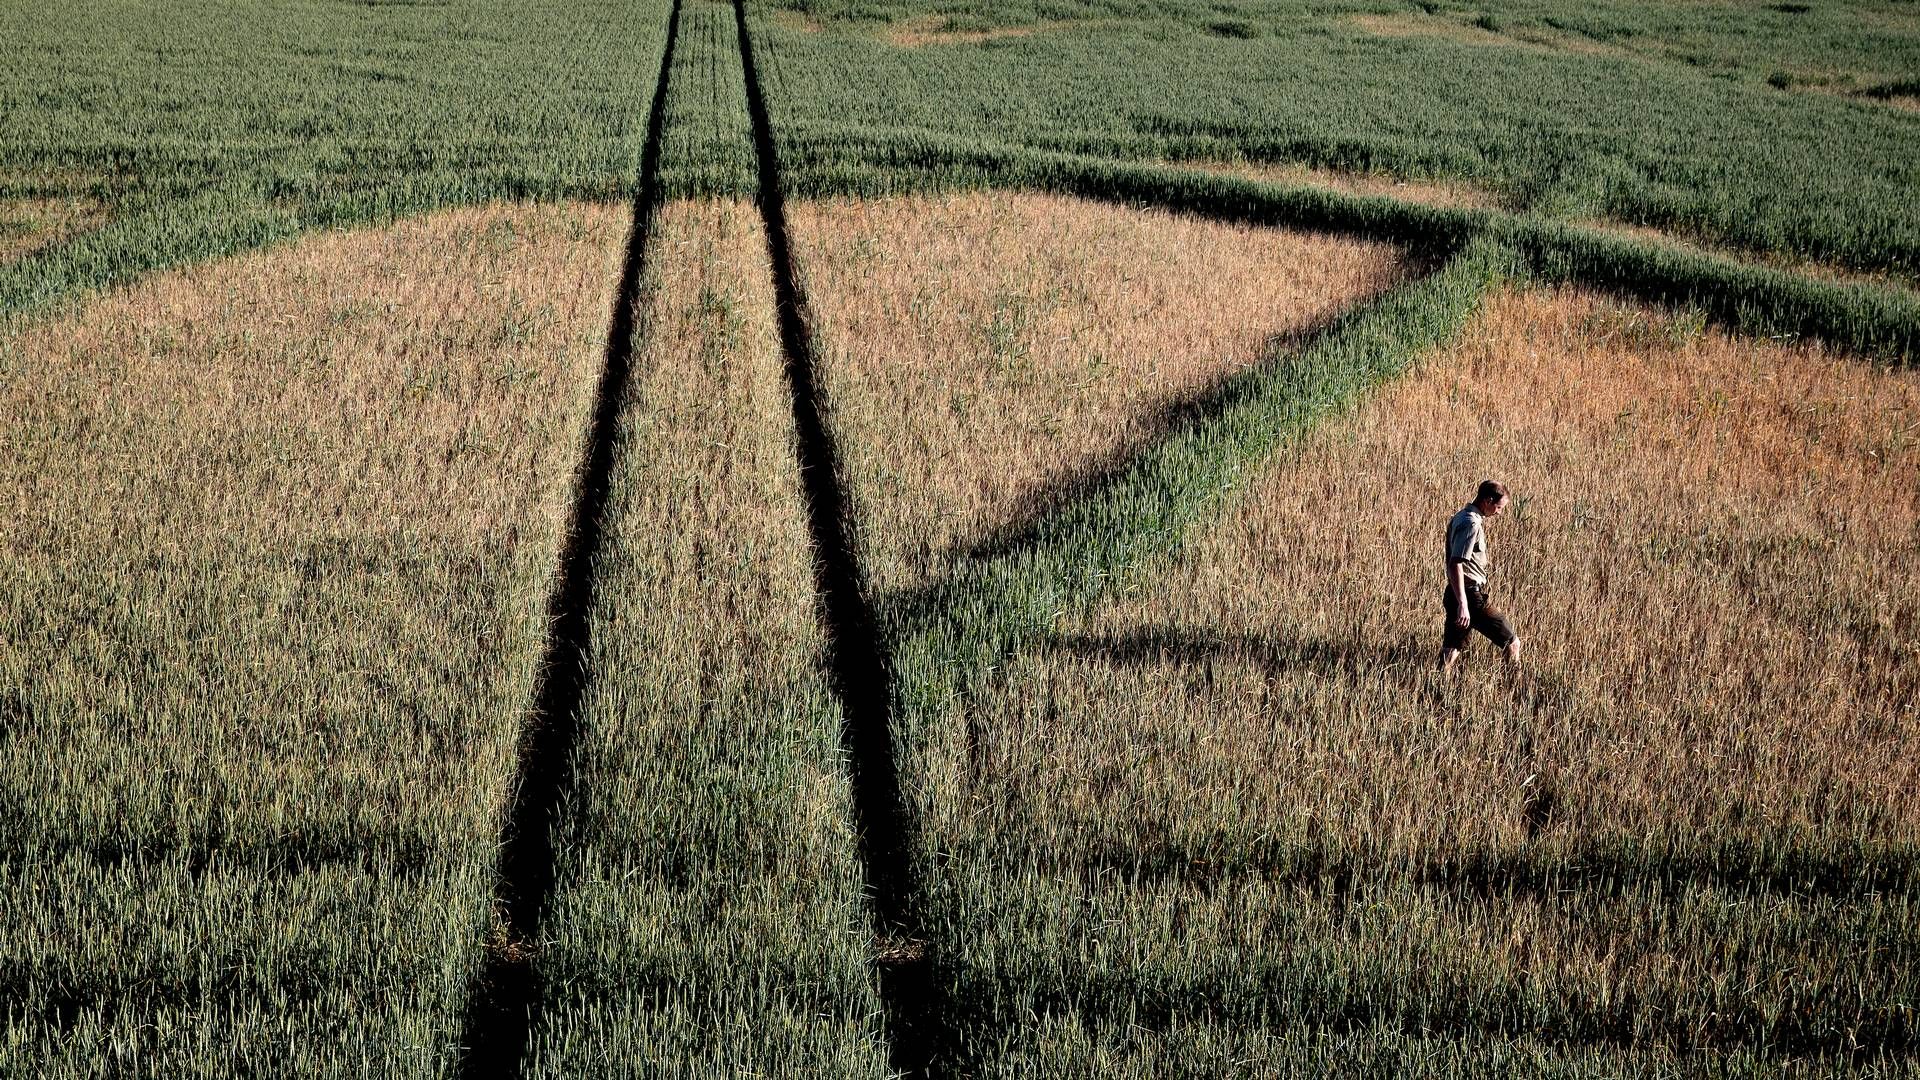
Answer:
x=1170 y=644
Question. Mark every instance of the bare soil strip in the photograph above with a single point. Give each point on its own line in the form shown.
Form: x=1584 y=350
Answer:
x=501 y=1006
x=862 y=677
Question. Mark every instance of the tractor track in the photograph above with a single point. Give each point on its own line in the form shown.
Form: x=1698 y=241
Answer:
x=860 y=670
x=503 y=1000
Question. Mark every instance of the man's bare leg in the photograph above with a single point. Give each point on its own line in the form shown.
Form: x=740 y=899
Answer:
x=1512 y=652
x=1447 y=657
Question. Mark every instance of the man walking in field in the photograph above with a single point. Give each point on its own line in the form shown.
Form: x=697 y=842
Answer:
x=1468 y=566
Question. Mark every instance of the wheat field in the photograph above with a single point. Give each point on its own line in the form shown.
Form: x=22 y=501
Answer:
x=278 y=537
x=1684 y=823
x=1236 y=793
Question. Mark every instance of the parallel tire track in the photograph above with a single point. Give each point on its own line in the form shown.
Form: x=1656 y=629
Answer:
x=861 y=674
x=504 y=999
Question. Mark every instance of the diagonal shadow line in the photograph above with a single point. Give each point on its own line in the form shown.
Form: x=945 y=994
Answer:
x=926 y=624
x=941 y=638
x=1058 y=502
x=1005 y=593
x=504 y=997
x=1153 y=646
x=883 y=691
x=1193 y=409
x=1004 y=590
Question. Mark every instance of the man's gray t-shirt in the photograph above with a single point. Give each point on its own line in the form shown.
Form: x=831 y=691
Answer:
x=1467 y=544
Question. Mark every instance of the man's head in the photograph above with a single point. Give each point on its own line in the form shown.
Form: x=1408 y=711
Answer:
x=1491 y=499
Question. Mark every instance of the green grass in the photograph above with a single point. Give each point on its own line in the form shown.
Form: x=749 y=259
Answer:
x=1873 y=319
x=707 y=147
x=159 y=967
x=212 y=127
x=944 y=640
x=1645 y=138
x=708 y=916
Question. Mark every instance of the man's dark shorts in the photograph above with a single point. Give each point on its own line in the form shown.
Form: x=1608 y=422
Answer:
x=1486 y=619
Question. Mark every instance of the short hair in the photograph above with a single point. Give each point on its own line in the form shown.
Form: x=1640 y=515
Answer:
x=1491 y=490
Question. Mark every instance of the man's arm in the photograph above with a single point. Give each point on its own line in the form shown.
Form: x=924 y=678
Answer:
x=1457 y=581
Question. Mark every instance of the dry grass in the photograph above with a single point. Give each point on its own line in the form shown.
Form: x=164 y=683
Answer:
x=983 y=350
x=709 y=904
x=1241 y=782
x=1456 y=194
x=278 y=537
x=1547 y=37
x=356 y=382
x=1711 y=561
x=308 y=499
x=1429 y=26
x=28 y=225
